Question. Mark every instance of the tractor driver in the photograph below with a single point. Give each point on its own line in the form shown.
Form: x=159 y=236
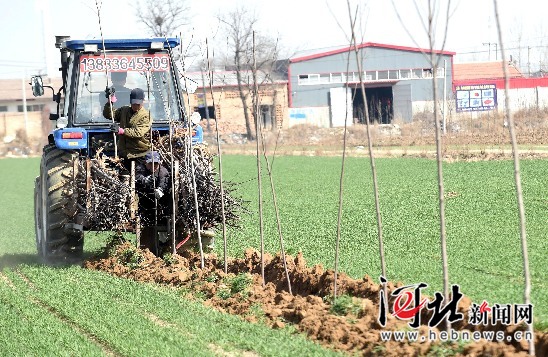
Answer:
x=132 y=126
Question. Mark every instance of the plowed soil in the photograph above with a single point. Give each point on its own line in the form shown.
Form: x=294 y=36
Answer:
x=351 y=328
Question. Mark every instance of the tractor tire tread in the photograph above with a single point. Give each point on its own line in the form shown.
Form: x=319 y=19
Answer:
x=58 y=171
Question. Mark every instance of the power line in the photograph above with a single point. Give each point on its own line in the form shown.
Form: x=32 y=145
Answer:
x=22 y=66
x=20 y=62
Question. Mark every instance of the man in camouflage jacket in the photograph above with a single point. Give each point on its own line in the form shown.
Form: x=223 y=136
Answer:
x=132 y=125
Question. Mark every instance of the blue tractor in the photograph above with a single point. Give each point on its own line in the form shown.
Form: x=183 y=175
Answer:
x=82 y=135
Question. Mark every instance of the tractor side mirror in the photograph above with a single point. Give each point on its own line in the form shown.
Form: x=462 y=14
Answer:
x=37 y=86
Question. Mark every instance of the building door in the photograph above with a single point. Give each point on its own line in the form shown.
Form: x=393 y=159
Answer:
x=266 y=115
x=379 y=105
x=402 y=102
x=340 y=106
x=202 y=111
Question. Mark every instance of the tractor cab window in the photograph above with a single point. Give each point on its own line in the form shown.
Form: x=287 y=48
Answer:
x=123 y=71
x=64 y=105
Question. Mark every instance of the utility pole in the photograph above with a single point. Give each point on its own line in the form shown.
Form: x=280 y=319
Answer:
x=489 y=45
x=24 y=92
x=444 y=96
x=528 y=61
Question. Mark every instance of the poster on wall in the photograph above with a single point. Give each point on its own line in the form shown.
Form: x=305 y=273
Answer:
x=477 y=97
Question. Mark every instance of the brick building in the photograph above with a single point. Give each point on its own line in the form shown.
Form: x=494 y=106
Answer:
x=34 y=123
x=223 y=102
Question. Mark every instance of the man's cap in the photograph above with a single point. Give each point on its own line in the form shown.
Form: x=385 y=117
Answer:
x=152 y=156
x=137 y=96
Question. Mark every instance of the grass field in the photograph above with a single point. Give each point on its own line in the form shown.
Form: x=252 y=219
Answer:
x=72 y=311
x=481 y=214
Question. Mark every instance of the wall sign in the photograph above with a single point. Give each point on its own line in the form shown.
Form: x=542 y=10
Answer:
x=476 y=97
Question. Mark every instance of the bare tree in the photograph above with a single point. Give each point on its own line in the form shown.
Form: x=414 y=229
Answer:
x=239 y=26
x=436 y=11
x=517 y=178
x=162 y=17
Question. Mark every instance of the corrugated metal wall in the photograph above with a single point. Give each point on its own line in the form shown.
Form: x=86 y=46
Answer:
x=375 y=59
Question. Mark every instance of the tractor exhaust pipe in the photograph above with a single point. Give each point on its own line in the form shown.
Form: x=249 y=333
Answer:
x=60 y=43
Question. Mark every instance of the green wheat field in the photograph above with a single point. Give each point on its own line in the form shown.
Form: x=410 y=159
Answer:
x=72 y=311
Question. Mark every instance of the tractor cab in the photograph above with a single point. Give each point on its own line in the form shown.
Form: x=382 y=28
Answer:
x=89 y=67
x=83 y=186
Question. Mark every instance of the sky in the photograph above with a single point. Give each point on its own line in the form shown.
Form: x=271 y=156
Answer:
x=29 y=26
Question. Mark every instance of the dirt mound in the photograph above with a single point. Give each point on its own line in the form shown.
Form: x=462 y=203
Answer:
x=347 y=324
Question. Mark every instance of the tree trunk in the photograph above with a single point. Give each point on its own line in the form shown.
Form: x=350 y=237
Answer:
x=241 y=91
x=243 y=98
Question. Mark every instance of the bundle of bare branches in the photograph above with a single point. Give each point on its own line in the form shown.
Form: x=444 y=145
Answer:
x=195 y=171
x=103 y=193
x=105 y=196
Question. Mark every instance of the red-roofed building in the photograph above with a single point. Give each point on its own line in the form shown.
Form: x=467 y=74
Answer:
x=324 y=85
x=483 y=70
x=477 y=78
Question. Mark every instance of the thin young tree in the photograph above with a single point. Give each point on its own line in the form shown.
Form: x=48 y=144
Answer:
x=370 y=147
x=257 y=142
x=353 y=46
x=220 y=155
x=340 y=206
x=429 y=26
x=517 y=178
x=189 y=155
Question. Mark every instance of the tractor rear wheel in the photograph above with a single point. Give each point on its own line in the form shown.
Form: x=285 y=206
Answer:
x=55 y=208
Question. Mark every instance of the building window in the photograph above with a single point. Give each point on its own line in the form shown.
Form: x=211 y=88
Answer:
x=3 y=108
x=308 y=79
x=393 y=74
x=351 y=77
x=325 y=78
x=405 y=73
x=314 y=78
x=337 y=78
x=31 y=108
x=383 y=75
x=427 y=73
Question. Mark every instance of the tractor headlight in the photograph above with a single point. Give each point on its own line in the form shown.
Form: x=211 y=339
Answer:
x=156 y=45
x=62 y=122
x=90 y=48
